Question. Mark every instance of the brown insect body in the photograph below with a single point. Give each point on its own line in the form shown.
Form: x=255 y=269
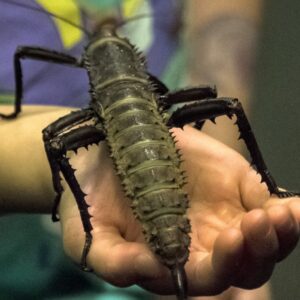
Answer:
x=141 y=146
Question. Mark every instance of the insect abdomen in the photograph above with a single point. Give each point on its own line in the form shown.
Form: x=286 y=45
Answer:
x=141 y=146
x=148 y=164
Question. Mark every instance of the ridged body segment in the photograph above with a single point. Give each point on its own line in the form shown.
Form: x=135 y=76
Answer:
x=141 y=146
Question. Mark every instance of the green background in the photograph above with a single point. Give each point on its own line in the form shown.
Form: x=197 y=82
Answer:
x=276 y=116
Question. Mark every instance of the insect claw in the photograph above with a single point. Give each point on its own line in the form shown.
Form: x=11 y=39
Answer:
x=240 y=137
x=180 y=281
x=230 y=116
x=213 y=120
x=262 y=180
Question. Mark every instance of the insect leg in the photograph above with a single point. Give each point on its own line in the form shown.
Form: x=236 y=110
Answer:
x=56 y=149
x=52 y=131
x=188 y=95
x=35 y=53
x=211 y=108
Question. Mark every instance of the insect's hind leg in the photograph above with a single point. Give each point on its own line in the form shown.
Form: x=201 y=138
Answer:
x=56 y=148
x=35 y=53
x=211 y=108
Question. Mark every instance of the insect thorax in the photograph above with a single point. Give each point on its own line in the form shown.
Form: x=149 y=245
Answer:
x=110 y=60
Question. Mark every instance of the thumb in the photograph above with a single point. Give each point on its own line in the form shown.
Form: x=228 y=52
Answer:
x=120 y=262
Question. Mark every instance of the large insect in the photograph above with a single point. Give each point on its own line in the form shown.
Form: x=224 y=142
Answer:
x=129 y=110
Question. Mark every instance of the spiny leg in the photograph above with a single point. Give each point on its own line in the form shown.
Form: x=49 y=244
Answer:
x=188 y=95
x=56 y=149
x=68 y=121
x=212 y=108
x=167 y=98
x=53 y=130
x=35 y=53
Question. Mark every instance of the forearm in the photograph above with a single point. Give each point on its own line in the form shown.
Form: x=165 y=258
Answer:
x=26 y=184
x=221 y=37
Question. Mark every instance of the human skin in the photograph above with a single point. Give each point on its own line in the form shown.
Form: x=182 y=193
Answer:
x=221 y=40
x=239 y=231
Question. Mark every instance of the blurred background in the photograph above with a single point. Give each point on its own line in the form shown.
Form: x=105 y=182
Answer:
x=276 y=115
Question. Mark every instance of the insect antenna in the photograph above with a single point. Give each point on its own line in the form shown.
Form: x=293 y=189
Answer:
x=180 y=281
x=40 y=10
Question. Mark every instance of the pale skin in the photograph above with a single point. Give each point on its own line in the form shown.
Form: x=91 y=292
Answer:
x=239 y=230
x=221 y=38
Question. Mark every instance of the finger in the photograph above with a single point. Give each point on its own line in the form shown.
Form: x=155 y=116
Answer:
x=261 y=250
x=120 y=262
x=286 y=227
x=227 y=254
x=294 y=205
x=213 y=274
x=254 y=193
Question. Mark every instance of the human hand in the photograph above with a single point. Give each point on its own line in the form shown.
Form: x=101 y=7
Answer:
x=239 y=231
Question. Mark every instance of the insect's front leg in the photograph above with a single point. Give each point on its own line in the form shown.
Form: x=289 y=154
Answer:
x=212 y=108
x=50 y=133
x=57 y=143
x=35 y=53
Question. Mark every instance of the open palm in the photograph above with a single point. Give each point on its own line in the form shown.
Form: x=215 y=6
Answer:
x=239 y=231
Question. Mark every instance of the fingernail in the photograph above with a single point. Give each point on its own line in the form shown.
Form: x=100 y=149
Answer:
x=147 y=266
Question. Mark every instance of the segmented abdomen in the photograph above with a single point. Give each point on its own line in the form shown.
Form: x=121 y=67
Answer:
x=141 y=146
x=148 y=164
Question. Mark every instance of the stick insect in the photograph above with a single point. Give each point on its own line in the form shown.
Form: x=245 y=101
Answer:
x=129 y=110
